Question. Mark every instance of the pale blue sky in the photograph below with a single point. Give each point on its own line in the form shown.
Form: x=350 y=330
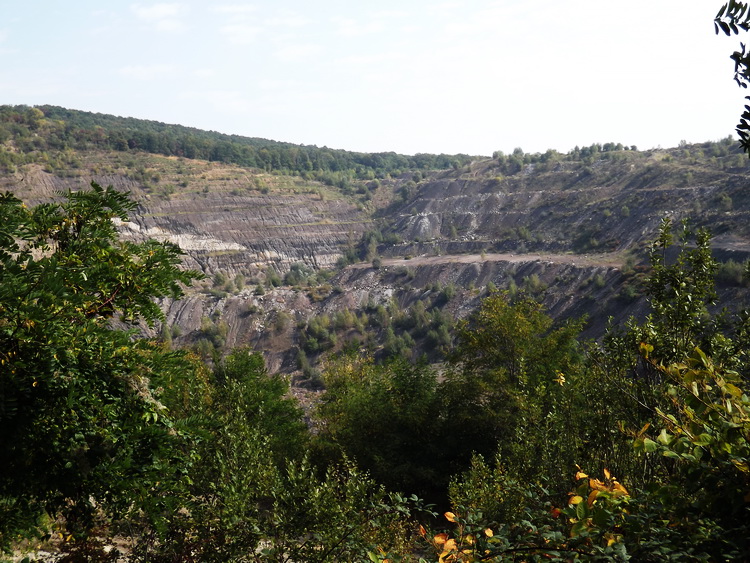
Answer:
x=408 y=76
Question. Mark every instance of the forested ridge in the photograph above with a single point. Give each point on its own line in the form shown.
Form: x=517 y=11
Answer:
x=50 y=128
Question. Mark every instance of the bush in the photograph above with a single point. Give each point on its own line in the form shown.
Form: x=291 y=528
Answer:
x=80 y=417
x=731 y=273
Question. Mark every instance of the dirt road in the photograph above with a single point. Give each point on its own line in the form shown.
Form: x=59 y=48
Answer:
x=609 y=260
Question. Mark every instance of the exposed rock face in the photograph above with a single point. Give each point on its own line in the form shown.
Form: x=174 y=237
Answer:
x=564 y=283
x=611 y=206
x=231 y=228
x=246 y=233
x=465 y=227
x=565 y=287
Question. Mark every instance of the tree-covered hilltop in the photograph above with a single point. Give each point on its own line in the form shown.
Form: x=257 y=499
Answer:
x=27 y=131
x=51 y=128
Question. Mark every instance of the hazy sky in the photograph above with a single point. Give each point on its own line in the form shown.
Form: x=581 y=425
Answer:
x=408 y=76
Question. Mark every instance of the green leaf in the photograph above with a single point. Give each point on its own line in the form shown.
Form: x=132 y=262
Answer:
x=601 y=518
x=649 y=445
x=582 y=510
x=664 y=437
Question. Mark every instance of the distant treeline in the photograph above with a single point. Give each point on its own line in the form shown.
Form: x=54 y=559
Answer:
x=51 y=128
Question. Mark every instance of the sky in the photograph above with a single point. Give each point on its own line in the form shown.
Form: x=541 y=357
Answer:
x=408 y=76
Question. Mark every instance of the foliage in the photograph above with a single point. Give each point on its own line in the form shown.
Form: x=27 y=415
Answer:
x=299 y=274
x=732 y=273
x=386 y=419
x=339 y=518
x=706 y=434
x=587 y=529
x=248 y=510
x=505 y=386
x=695 y=511
x=680 y=293
x=689 y=482
x=732 y=17
x=80 y=415
x=264 y=398
x=412 y=431
x=316 y=336
x=252 y=494
x=515 y=342
x=99 y=426
x=59 y=129
x=489 y=490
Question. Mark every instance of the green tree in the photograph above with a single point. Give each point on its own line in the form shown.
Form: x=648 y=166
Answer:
x=254 y=496
x=504 y=392
x=265 y=401
x=680 y=290
x=731 y=18
x=413 y=432
x=386 y=419
x=704 y=434
x=82 y=424
x=514 y=341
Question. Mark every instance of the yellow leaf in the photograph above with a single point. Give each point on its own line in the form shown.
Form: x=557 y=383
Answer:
x=575 y=499
x=643 y=430
x=607 y=474
x=488 y=532
x=621 y=490
x=592 y=498
x=450 y=545
x=597 y=485
x=734 y=390
x=450 y=517
x=580 y=475
x=422 y=531
x=560 y=378
x=440 y=539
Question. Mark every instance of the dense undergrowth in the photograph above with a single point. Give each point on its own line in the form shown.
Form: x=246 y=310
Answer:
x=528 y=444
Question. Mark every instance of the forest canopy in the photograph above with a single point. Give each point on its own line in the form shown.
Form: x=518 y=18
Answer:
x=57 y=129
